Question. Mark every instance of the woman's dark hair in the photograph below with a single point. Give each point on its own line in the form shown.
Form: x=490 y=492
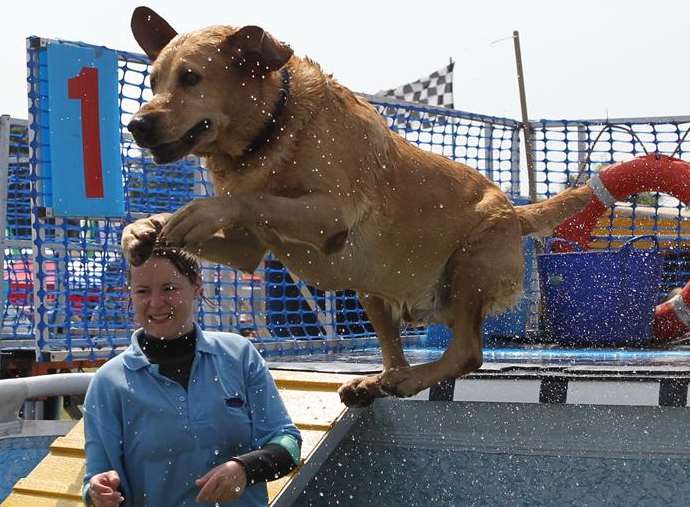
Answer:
x=184 y=262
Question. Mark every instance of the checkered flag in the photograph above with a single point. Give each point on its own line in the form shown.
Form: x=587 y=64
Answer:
x=436 y=89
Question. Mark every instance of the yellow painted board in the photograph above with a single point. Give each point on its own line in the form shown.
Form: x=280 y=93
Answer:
x=35 y=500
x=310 y=439
x=45 y=487
x=309 y=380
x=59 y=470
x=312 y=407
x=68 y=447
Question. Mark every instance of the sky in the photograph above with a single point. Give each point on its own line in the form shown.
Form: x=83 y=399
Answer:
x=584 y=59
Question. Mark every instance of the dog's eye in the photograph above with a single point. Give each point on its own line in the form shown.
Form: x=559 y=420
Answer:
x=189 y=78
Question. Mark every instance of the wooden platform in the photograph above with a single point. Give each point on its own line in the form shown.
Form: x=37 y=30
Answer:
x=311 y=400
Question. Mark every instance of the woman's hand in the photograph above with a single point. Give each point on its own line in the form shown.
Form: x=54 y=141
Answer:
x=224 y=483
x=103 y=489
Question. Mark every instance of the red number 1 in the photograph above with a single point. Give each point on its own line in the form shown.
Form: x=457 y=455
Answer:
x=84 y=87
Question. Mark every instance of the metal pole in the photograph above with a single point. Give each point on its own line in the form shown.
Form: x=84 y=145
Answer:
x=40 y=317
x=487 y=133
x=4 y=179
x=14 y=392
x=527 y=129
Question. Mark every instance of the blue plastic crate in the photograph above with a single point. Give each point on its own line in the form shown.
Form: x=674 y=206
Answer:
x=602 y=297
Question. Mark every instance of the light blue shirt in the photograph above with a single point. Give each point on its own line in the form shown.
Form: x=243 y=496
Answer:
x=160 y=438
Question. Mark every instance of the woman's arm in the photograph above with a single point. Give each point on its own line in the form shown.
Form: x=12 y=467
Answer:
x=276 y=438
x=227 y=482
x=272 y=461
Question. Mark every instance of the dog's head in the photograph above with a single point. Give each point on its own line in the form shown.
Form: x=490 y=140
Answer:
x=213 y=89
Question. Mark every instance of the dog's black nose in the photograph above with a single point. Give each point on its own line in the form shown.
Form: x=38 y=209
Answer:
x=143 y=129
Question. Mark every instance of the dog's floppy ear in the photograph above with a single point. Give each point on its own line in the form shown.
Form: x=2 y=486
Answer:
x=252 y=45
x=151 y=31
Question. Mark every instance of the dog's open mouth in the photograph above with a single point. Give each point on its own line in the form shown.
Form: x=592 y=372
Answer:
x=169 y=152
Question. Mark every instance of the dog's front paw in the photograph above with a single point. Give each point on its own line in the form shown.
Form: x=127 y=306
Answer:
x=199 y=220
x=139 y=238
x=361 y=391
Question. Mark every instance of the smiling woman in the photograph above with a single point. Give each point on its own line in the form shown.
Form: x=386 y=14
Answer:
x=183 y=416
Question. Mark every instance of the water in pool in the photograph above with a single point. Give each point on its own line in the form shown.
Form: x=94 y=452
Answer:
x=369 y=359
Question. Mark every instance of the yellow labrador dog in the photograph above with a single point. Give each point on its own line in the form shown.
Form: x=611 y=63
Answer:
x=304 y=168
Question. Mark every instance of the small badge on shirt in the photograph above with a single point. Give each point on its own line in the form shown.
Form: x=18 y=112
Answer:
x=235 y=402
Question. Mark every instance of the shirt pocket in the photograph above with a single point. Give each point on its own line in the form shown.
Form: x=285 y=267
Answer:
x=226 y=425
x=233 y=399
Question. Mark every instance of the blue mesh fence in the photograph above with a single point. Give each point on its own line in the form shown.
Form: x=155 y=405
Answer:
x=566 y=150
x=489 y=144
x=17 y=295
x=79 y=279
x=18 y=187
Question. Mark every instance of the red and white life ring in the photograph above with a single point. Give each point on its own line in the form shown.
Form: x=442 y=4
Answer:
x=672 y=317
x=650 y=173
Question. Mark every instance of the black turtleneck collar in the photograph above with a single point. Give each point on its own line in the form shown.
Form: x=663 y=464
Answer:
x=162 y=348
x=174 y=356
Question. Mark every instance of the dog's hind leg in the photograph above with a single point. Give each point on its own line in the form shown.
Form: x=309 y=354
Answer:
x=362 y=391
x=486 y=277
x=464 y=355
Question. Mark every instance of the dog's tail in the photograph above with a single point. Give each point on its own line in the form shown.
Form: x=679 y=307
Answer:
x=542 y=217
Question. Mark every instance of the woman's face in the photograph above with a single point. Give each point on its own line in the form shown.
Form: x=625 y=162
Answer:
x=163 y=298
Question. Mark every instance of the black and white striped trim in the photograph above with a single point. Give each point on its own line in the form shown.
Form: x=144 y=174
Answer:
x=681 y=309
x=665 y=392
